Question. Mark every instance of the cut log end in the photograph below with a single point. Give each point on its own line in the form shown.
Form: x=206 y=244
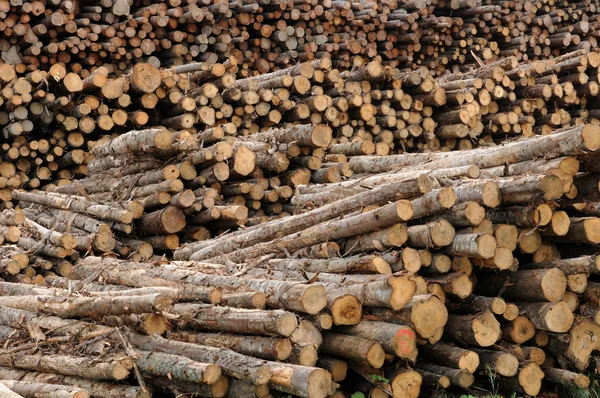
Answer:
x=322 y=136
x=154 y=323
x=559 y=318
x=319 y=382
x=591 y=137
x=145 y=78
x=173 y=219
x=446 y=197
x=486 y=329
x=376 y=356
x=346 y=310
x=442 y=233
x=554 y=284
x=491 y=195
x=286 y=324
x=530 y=378
x=314 y=299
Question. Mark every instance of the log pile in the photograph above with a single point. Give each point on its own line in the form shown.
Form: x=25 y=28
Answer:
x=315 y=199
x=417 y=281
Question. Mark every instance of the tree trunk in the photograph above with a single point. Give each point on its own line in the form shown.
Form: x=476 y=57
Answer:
x=566 y=378
x=271 y=348
x=353 y=348
x=177 y=367
x=459 y=378
x=139 y=141
x=292 y=224
x=500 y=362
x=76 y=204
x=250 y=300
x=394 y=339
x=68 y=307
x=7 y=392
x=482 y=330
x=426 y=315
x=550 y=317
x=236 y=320
x=536 y=285
x=451 y=356
x=111 y=368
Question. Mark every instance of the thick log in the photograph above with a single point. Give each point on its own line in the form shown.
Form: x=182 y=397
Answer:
x=236 y=320
x=482 y=330
x=272 y=348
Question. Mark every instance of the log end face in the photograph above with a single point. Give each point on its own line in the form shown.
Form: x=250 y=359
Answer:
x=486 y=329
x=560 y=223
x=554 y=284
x=405 y=342
x=163 y=302
x=462 y=286
x=220 y=388
x=591 y=226
x=162 y=138
x=382 y=266
x=447 y=197
x=244 y=161
x=491 y=195
x=319 y=383
x=559 y=318
x=145 y=78
x=376 y=356
x=425 y=183
x=155 y=324
x=283 y=347
x=398 y=235
x=429 y=316
x=314 y=299
x=503 y=258
x=286 y=324
x=442 y=233
x=322 y=136
x=530 y=378
x=173 y=219
x=403 y=290
x=119 y=372
x=475 y=213
x=407 y=384
x=498 y=306
x=404 y=210
x=212 y=374
x=552 y=186
x=346 y=310
x=591 y=137
x=411 y=260
x=469 y=361
x=506 y=365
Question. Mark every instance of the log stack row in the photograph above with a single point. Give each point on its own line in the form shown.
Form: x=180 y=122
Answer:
x=268 y=35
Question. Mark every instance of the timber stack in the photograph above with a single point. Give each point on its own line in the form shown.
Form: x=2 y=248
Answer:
x=316 y=199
